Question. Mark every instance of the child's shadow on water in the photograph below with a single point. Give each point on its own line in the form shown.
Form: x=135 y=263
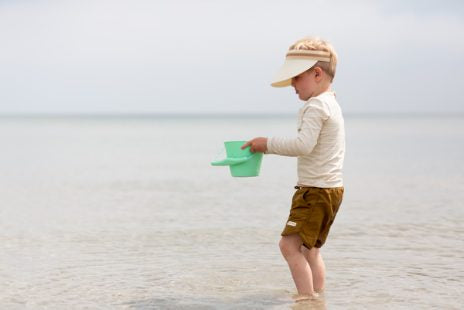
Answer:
x=209 y=303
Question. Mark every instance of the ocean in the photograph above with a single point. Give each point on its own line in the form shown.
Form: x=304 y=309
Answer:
x=128 y=213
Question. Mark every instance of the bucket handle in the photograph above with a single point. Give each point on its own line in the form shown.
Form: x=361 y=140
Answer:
x=231 y=161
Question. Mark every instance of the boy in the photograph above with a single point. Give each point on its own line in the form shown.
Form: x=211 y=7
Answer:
x=320 y=147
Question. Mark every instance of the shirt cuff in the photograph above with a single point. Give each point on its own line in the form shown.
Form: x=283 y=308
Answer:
x=269 y=146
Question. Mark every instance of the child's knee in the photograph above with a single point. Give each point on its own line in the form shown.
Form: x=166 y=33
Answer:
x=312 y=255
x=289 y=245
x=282 y=246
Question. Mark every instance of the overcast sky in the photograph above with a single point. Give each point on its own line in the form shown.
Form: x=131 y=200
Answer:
x=174 y=56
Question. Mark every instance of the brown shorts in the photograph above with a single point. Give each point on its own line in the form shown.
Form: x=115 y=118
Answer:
x=313 y=212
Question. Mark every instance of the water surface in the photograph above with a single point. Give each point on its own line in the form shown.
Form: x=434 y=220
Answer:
x=128 y=213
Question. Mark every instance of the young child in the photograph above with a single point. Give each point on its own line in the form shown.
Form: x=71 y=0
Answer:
x=320 y=147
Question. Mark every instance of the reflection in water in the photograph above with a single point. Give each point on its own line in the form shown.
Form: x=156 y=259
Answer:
x=309 y=303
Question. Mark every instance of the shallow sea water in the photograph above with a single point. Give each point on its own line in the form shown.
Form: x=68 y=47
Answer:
x=127 y=213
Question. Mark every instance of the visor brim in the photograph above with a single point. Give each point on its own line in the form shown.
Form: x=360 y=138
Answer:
x=290 y=69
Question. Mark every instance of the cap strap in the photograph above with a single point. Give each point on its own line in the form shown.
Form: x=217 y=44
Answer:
x=309 y=54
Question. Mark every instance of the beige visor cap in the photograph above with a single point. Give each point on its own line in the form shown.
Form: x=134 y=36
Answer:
x=297 y=62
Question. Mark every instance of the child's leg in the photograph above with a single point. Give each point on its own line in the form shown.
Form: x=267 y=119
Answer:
x=299 y=266
x=316 y=263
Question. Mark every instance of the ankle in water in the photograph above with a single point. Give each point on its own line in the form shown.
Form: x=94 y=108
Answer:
x=303 y=297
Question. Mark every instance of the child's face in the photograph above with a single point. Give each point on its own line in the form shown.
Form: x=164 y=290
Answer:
x=306 y=84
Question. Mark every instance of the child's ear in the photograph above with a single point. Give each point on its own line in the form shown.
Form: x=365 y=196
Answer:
x=318 y=72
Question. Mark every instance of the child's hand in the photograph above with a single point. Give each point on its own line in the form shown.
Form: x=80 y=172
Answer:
x=257 y=145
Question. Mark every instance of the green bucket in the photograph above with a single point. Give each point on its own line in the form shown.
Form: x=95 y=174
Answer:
x=242 y=163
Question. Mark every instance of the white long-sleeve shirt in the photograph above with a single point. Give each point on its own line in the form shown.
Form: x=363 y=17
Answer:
x=319 y=145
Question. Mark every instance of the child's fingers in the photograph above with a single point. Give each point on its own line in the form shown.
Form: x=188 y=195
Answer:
x=246 y=145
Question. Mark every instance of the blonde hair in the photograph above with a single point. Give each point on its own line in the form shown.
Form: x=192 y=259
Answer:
x=317 y=44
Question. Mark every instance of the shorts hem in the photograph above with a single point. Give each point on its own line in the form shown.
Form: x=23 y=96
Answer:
x=302 y=236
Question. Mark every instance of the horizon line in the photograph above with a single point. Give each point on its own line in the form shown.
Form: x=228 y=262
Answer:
x=158 y=115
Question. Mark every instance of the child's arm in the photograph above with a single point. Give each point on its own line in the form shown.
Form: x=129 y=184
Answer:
x=312 y=121
x=303 y=143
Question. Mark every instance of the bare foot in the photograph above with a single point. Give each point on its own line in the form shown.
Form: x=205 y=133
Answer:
x=303 y=297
